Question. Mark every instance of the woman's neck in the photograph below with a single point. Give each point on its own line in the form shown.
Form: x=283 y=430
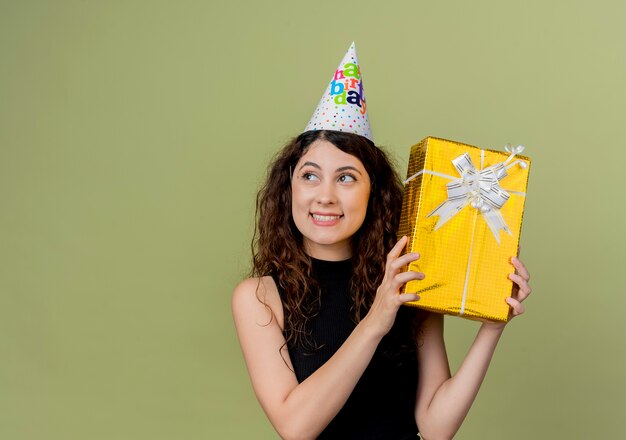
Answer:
x=329 y=253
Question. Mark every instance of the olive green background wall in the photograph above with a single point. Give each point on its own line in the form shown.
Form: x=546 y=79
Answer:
x=133 y=137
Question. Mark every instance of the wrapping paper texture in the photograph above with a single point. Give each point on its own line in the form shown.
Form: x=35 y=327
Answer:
x=466 y=269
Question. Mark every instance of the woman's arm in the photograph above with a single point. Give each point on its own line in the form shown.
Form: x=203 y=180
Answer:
x=302 y=411
x=443 y=400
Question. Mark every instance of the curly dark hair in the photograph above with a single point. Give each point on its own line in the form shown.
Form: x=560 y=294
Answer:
x=277 y=244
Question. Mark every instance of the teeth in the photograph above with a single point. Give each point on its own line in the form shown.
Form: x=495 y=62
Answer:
x=325 y=218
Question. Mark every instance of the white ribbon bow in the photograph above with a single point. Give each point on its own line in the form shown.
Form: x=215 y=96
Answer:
x=480 y=189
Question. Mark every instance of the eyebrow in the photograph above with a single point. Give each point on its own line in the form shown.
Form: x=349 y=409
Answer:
x=338 y=170
x=348 y=167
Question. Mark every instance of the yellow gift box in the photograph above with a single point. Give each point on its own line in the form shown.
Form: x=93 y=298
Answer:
x=462 y=211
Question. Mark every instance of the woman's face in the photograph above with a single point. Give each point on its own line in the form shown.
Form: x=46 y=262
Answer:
x=330 y=190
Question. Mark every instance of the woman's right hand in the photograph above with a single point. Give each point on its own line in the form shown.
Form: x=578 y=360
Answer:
x=388 y=300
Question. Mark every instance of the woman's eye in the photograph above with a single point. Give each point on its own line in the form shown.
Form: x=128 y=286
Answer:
x=310 y=177
x=347 y=178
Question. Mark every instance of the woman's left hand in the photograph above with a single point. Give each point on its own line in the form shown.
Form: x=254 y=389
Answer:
x=521 y=288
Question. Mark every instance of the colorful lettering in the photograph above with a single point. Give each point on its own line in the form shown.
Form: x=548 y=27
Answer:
x=349 y=91
x=354 y=98
x=335 y=88
x=341 y=99
x=351 y=70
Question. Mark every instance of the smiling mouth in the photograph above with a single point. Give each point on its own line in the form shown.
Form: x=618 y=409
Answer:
x=325 y=218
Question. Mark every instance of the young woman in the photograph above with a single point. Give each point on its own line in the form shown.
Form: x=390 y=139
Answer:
x=330 y=350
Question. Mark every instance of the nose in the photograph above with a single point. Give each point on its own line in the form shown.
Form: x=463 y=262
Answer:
x=327 y=194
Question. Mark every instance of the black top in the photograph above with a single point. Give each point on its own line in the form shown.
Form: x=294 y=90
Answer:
x=382 y=404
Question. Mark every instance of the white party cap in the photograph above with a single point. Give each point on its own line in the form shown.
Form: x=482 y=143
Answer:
x=343 y=106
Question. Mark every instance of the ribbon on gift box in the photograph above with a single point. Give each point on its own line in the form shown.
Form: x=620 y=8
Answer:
x=478 y=188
